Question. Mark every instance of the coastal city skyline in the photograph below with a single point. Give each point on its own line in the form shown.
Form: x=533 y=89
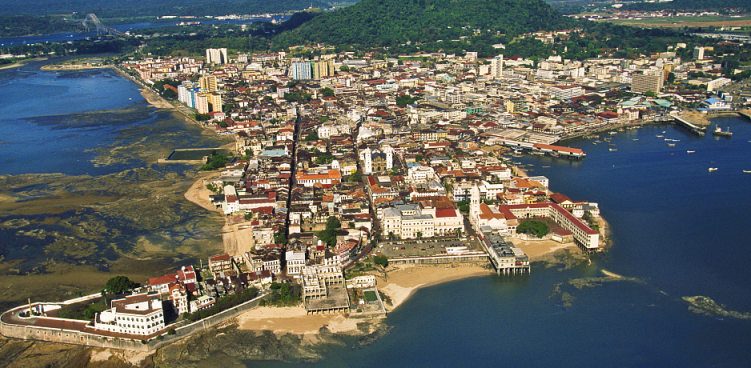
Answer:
x=291 y=181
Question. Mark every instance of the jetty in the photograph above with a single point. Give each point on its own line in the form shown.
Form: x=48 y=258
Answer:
x=700 y=131
x=745 y=113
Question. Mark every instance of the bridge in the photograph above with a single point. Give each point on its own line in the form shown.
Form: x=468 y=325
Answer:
x=101 y=29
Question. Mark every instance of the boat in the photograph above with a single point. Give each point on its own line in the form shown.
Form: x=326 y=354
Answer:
x=635 y=139
x=676 y=140
x=613 y=149
x=659 y=136
x=611 y=144
x=690 y=151
x=594 y=143
x=554 y=155
x=612 y=133
x=546 y=167
x=747 y=171
x=671 y=144
x=718 y=131
x=712 y=169
x=668 y=140
x=664 y=131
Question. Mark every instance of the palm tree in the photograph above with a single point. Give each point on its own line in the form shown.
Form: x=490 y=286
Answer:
x=391 y=236
x=419 y=235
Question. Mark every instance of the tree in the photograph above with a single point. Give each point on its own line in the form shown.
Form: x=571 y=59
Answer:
x=649 y=94
x=381 y=260
x=391 y=236
x=671 y=77
x=119 y=284
x=355 y=177
x=311 y=137
x=344 y=68
x=280 y=237
x=327 y=92
x=418 y=158
x=538 y=228
x=419 y=235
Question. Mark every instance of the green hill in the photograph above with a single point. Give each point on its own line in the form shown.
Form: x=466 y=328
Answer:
x=393 y=22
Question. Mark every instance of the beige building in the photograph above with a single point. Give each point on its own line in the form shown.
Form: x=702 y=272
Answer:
x=642 y=83
x=208 y=83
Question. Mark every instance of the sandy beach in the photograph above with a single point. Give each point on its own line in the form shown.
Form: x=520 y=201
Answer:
x=402 y=281
x=294 y=320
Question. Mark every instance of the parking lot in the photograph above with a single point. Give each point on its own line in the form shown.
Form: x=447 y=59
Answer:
x=423 y=247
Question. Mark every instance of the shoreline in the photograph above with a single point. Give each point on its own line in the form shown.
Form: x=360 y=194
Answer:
x=20 y=63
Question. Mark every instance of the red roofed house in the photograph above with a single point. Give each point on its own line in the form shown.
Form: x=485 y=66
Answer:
x=220 y=263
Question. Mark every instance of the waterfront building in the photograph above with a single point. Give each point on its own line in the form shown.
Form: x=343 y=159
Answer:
x=584 y=236
x=202 y=103
x=139 y=314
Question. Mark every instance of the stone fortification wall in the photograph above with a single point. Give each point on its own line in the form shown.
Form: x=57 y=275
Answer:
x=68 y=336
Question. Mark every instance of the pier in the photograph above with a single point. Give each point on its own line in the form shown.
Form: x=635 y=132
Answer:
x=701 y=131
x=745 y=113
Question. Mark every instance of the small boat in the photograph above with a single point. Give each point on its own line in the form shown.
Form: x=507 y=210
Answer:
x=554 y=155
x=659 y=136
x=676 y=140
x=671 y=144
x=613 y=149
x=690 y=151
x=718 y=131
x=594 y=143
x=712 y=169
x=612 y=133
x=546 y=167
x=635 y=139
x=664 y=131
x=611 y=144
x=668 y=140
x=747 y=171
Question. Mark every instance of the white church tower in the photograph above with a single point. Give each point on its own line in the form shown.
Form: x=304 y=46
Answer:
x=367 y=160
x=474 y=205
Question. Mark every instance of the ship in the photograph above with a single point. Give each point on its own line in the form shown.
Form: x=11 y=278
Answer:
x=613 y=149
x=690 y=151
x=718 y=131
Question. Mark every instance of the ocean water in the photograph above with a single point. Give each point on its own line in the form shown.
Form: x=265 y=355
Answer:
x=677 y=228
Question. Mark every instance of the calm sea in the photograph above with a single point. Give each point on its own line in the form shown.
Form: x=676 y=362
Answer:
x=678 y=228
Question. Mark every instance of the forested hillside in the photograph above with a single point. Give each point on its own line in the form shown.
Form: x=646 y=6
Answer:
x=393 y=22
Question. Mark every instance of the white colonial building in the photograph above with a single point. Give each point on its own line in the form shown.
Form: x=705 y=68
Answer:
x=140 y=314
x=406 y=221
